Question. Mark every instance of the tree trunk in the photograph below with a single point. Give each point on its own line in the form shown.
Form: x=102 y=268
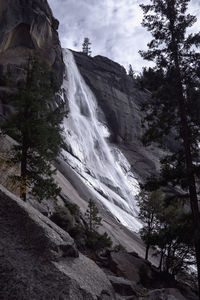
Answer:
x=185 y=134
x=147 y=251
x=191 y=178
x=23 y=175
x=168 y=259
x=197 y=252
x=161 y=260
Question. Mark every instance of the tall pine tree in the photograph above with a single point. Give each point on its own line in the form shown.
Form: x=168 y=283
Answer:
x=37 y=129
x=171 y=110
x=86 y=46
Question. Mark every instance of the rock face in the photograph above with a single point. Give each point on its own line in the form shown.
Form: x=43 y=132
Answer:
x=27 y=27
x=38 y=260
x=117 y=94
x=120 y=98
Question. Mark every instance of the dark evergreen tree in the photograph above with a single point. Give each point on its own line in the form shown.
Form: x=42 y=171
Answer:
x=131 y=72
x=93 y=220
x=174 y=237
x=149 y=204
x=86 y=46
x=151 y=79
x=167 y=227
x=170 y=111
x=38 y=131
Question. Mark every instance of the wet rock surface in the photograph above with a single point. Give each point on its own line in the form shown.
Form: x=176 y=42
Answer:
x=117 y=94
x=120 y=99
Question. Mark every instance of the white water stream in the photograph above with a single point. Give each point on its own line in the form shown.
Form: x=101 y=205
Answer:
x=102 y=167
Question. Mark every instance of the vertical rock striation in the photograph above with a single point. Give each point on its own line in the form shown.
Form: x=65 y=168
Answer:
x=26 y=27
x=120 y=98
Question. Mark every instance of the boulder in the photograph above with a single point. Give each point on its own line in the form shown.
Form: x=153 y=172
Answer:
x=166 y=294
x=123 y=286
x=130 y=266
x=38 y=260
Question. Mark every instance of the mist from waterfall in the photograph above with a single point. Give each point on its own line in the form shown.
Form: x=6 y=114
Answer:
x=102 y=167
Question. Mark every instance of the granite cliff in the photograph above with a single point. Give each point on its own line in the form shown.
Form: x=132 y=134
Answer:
x=120 y=98
x=38 y=260
x=27 y=28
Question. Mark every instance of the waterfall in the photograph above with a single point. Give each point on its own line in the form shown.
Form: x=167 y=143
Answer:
x=102 y=167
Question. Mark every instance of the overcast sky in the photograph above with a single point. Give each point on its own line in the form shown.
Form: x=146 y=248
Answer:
x=113 y=27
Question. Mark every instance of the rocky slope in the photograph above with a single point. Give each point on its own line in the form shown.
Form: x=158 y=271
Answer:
x=39 y=260
x=27 y=28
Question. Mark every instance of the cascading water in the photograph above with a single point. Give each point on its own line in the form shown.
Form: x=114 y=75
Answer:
x=102 y=167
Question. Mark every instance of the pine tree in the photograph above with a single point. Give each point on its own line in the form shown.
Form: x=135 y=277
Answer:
x=37 y=129
x=170 y=111
x=93 y=220
x=174 y=237
x=149 y=204
x=168 y=228
x=86 y=46
x=131 y=72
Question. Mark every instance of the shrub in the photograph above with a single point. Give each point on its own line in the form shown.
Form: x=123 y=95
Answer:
x=73 y=208
x=63 y=218
x=79 y=235
x=97 y=241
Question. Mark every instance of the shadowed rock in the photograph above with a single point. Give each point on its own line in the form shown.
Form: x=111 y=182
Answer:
x=38 y=260
x=27 y=27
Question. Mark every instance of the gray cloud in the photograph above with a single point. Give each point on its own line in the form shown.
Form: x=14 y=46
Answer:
x=113 y=26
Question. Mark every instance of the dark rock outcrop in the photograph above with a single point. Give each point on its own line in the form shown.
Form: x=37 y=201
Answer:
x=38 y=260
x=130 y=266
x=27 y=27
x=123 y=286
x=139 y=279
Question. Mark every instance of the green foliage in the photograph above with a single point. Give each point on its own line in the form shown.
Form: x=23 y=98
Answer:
x=151 y=79
x=169 y=228
x=37 y=129
x=69 y=219
x=171 y=110
x=149 y=206
x=131 y=72
x=78 y=233
x=174 y=84
x=97 y=241
x=63 y=218
x=73 y=208
x=86 y=47
x=91 y=215
x=104 y=241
